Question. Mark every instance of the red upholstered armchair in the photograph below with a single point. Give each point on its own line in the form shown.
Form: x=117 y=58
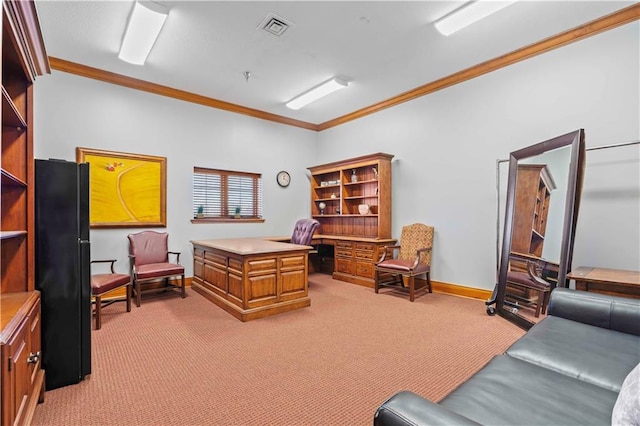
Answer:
x=533 y=275
x=149 y=259
x=303 y=231
x=103 y=283
x=413 y=259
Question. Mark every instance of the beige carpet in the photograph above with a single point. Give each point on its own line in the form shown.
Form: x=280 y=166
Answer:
x=187 y=362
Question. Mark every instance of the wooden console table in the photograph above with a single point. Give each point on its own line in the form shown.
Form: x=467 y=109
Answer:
x=610 y=281
x=251 y=278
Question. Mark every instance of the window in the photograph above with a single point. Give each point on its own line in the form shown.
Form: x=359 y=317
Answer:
x=226 y=195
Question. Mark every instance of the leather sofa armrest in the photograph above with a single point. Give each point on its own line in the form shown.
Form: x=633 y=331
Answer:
x=408 y=409
x=600 y=310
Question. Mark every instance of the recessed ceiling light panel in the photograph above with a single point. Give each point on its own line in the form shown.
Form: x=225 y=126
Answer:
x=468 y=14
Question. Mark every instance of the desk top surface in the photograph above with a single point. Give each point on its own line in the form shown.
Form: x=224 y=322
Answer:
x=247 y=246
x=604 y=275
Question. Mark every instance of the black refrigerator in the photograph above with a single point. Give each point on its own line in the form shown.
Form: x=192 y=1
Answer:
x=63 y=274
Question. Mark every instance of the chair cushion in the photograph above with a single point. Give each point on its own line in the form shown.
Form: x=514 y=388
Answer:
x=102 y=283
x=592 y=354
x=403 y=266
x=508 y=391
x=523 y=279
x=157 y=270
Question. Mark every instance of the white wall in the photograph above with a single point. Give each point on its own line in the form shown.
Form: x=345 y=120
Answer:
x=72 y=111
x=446 y=146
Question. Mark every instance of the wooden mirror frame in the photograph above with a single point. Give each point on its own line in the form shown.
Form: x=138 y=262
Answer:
x=574 y=190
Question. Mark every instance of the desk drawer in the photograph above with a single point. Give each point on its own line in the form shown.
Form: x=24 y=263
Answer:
x=364 y=247
x=344 y=249
x=365 y=269
x=364 y=255
x=344 y=265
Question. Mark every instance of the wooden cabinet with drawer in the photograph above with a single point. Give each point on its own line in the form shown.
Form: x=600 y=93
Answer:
x=22 y=377
x=355 y=258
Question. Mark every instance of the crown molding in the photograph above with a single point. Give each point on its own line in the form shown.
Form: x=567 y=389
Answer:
x=597 y=26
x=158 y=89
x=605 y=23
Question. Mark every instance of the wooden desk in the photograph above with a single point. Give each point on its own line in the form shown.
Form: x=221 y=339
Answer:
x=251 y=278
x=354 y=257
x=610 y=281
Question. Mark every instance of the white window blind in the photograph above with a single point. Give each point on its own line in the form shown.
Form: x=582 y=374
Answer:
x=227 y=194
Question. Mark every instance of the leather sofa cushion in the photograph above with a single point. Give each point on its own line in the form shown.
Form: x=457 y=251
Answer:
x=508 y=391
x=596 y=355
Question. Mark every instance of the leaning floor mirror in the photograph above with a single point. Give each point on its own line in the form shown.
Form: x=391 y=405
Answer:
x=543 y=196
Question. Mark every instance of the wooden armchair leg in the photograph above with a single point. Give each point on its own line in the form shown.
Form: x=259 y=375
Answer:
x=183 y=291
x=137 y=284
x=539 y=303
x=412 y=288
x=128 y=287
x=98 y=312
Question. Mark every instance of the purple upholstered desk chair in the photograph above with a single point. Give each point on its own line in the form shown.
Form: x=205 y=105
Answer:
x=303 y=231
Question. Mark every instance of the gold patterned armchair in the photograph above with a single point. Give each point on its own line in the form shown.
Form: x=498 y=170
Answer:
x=413 y=259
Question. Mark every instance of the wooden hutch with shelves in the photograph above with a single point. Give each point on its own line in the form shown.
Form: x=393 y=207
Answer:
x=534 y=185
x=352 y=201
x=23 y=58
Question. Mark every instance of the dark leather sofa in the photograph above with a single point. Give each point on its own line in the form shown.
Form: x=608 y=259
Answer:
x=567 y=369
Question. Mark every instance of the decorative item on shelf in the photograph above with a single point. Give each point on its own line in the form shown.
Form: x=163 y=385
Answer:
x=375 y=173
x=237 y=215
x=200 y=213
x=333 y=195
x=324 y=183
x=322 y=206
x=354 y=176
x=363 y=208
x=337 y=210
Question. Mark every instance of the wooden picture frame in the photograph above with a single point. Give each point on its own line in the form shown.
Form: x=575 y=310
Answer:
x=126 y=190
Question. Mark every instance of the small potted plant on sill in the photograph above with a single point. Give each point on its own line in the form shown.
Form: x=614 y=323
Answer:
x=237 y=215
x=200 y=213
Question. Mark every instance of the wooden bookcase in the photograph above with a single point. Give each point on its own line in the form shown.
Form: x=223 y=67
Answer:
x=533 y=191
x=23 y=58
x=334 y=185
x=357 y=238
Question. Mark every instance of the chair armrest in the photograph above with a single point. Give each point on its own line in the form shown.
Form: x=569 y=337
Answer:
x=600 y=310
x=112 y=261
x=407 y=408
x=533 y=275
x=177 y=256
x=418 y=253
x=386 y=250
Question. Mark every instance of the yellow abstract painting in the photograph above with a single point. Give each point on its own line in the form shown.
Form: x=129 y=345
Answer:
x=126 y=190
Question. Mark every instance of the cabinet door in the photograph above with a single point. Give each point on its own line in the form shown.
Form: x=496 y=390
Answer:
x=17 y=377
x=35 y=353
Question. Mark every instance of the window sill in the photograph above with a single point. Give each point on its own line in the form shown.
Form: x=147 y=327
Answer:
x=228 y=220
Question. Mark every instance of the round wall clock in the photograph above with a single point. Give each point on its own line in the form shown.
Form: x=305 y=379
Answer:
x=283 y=179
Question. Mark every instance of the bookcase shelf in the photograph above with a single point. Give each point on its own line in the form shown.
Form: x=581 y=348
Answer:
x=361 y=180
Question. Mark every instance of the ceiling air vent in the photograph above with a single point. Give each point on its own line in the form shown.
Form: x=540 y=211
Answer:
x=274 y=24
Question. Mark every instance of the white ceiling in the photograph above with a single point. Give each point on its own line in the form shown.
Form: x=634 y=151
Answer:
x=383 y=48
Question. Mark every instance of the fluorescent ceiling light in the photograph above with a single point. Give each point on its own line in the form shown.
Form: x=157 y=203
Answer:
x=317 y=92
x=145 y=23
x=468 y=14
